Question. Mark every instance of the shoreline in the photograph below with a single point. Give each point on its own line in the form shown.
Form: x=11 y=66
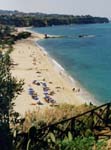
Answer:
x=88 y=98
x=71 y=79
x=44 y=70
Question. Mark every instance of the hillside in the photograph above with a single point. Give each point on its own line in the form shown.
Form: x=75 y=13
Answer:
x=21 y=19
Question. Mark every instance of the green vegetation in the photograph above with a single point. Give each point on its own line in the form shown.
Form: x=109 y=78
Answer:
x=30 y=133
x=20 y=19
x=40 y=118
x=41 y=130
x=5 y=36
x=37 y=130
x=68 y=143
x=8 y=36
x=22 y=35
x=9 y=89
x=82 y=143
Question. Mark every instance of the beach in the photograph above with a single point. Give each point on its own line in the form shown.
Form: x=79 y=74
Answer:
x=33 y=63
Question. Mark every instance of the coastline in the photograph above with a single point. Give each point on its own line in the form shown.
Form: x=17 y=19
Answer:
x=88 y=98
x=45 y=69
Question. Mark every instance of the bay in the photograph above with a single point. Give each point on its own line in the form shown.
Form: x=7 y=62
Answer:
x=85 y=53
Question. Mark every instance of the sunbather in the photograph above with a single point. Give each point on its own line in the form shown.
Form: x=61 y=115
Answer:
x=49 y=99
x=35 y=97
x=45 y=88
x=36 y=82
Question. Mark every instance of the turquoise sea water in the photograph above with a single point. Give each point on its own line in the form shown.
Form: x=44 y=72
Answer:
x=87 y=59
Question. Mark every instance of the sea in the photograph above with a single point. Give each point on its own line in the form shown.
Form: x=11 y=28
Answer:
x=84 y=51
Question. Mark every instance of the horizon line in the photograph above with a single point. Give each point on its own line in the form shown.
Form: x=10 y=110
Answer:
x=20 y=11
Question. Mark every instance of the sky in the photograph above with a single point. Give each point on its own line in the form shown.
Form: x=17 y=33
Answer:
x=74 y=7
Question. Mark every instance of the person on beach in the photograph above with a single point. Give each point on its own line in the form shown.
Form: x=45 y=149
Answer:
x=35 y=82
x=78 y=90
x=45 y=36
x=35 y=97
x=48 y=99
x=73 y=89
x=34 y=61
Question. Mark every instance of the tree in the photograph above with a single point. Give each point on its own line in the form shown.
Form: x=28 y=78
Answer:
x=9 y=89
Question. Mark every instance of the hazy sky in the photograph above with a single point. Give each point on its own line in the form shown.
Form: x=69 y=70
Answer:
x=75 y=7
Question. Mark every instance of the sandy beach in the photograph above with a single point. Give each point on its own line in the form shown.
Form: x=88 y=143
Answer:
x=34 y=64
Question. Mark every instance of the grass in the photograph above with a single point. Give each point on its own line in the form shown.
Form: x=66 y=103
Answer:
x=40 y=118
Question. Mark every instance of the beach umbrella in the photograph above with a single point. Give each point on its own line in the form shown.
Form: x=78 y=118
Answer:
x=44 y=84
x=45 y=93
x=30 y=91
x=46 y=97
